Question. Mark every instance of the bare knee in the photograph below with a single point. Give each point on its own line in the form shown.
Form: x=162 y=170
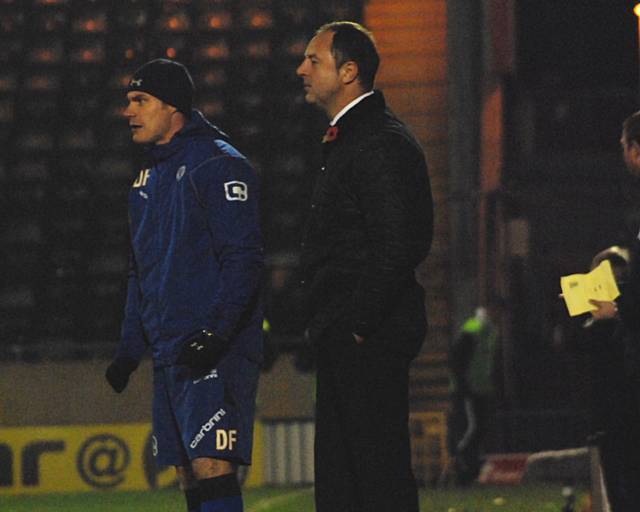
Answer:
x=186 y=478
x=207 y=467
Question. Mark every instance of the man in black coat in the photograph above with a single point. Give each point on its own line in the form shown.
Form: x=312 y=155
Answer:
x=615 y=414
x=370 y=225
x=627 y=306
x=620 y=444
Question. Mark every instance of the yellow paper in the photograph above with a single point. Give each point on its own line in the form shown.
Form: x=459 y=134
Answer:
x=578 y=289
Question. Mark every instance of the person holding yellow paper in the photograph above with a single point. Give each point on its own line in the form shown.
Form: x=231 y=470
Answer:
x=628 y=307
x=614 y=405
x=616 y=325
x=579 y=289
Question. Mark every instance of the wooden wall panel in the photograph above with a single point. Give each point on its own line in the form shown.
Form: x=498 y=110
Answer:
x=412 y=41
x=434 y=124
x=418 y=98
x=412 y=69
x=407 y=13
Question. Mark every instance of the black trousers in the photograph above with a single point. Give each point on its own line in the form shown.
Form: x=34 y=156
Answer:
x=362 y=450
x=467 y=458
x=620 y=450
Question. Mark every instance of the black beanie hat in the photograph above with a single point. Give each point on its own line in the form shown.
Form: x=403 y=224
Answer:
x=167 y=80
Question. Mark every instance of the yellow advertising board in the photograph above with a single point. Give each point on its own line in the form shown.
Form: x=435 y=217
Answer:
x=90 y=457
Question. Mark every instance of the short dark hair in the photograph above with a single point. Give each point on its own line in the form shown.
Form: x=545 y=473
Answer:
x=631 y=128
x=352 y=41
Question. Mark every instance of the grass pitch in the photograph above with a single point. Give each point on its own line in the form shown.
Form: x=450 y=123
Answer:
x=478 y=498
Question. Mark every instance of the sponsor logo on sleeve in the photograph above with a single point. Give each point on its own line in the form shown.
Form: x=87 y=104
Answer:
x=236 y=191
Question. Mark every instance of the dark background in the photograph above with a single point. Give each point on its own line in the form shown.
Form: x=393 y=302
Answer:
x=67 y=162
x=575 y=81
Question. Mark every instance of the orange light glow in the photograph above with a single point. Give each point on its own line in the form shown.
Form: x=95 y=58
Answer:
x=258 y=49
x=129 y=53
x=44 y=55
x=178 y=23
x=212 y=108
x=219 y=20
x=214 y=52
x=214 y=77
x=171 y=53
x=297 y=48
x=93 y=24
x=636 y=10
x=261 y=20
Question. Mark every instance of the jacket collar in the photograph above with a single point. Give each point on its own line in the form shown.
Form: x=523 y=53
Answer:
x=197 y=127
x=369 y=105
x=349 y=106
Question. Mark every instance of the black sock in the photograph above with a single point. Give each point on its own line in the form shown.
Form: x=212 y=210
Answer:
x=193 y=499
x=224 y=486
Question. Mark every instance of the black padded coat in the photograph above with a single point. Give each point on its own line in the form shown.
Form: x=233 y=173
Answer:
x=369 y=226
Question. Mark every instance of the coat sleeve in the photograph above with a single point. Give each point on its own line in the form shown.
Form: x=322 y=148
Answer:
x=629 y=301
x=228 y=190
x=394 y=198
x=133 y=343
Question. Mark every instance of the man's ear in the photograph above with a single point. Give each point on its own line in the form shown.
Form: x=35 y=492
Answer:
x=349 y=72
x=172 y=110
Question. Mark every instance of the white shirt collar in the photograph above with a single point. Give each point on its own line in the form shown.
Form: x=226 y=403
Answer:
x=348 y=107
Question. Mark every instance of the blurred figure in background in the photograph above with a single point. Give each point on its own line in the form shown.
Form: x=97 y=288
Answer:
x=622 y=320
x=472 y=365
x=370 y=225
x=615 y=407
x=193 y=289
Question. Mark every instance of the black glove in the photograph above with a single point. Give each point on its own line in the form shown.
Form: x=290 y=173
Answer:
x=119 y=371
x=203 y=351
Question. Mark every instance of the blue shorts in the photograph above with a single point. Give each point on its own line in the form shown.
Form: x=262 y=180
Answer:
x=204 y=414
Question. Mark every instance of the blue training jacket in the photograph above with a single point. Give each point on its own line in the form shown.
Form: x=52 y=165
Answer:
x=197 y=255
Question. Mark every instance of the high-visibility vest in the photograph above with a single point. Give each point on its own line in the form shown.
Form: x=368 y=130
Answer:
x=481 y=365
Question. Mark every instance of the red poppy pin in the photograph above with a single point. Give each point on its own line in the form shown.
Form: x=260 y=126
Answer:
x=331 y=134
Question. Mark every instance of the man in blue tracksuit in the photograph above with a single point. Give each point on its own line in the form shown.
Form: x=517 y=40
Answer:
x=193 y=288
